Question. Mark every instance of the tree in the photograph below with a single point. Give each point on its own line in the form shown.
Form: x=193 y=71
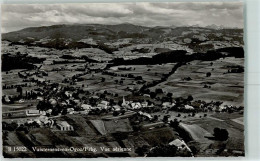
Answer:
x=43 y=106
x=208 y=74
x=115 y=113
x=20 y=90
x=120 y=102
x=141 y=151
x=64 y=112
x=152 y=95
x=190 y=98
x=139 y=78
x=194 y=150
x=155 y=117
x=174 y=123
x=122 y=112
x=12 y=126
x=111 y=102
x=158 y=90
x=103 y=79
x=220 y=134
x=169 y=94
x=165 y=119
x=55 y=111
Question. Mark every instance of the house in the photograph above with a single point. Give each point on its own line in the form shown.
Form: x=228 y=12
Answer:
x=146 y=95
x=145 y=114
x=40 y=98
x=219 y=108
x=116 y=108
x=188 y=107
x=94 y=97
x=136 y=105
x=29 y=121
x=197 y=104
x=183 y=149
x=6 y=98
x=70 y=110
x=68 y=94
x=167 y=105
x=47 y=122
x=43 y=118
x=38 y=121
x=144 y=104
x=21 y=101
x=53 y=102
x=63 y=103
x=76 y=101
x=103 y=105
x=49 y=111
x=35 y=112
x=86 y=107
x=64 y=126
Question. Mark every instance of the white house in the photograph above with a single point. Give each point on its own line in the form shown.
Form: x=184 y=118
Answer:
x=68 y=94
x=167 y=105
x=64 y=126
x=181 y=145
x=7 y=99
x=144 y=104
x=40 y=98
x=188 y=107
x=35 y=112
x=116 y=108
x=136 y=105
x=86 y=107
x=103 y=105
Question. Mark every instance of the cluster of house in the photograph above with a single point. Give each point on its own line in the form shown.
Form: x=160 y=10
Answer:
x=105 y=105
x=212 y=106
x=44 y=121
x=23 y=113
x=135 y=105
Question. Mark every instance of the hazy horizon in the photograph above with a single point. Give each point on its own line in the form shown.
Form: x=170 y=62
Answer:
x=165 y=14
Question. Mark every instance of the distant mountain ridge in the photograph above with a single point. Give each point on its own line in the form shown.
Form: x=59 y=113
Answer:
x=72 y=36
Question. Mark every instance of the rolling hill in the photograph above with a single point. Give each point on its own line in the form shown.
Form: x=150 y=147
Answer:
x=97 y=36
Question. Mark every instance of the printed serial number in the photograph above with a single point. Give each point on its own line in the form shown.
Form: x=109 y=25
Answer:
x=17 y=148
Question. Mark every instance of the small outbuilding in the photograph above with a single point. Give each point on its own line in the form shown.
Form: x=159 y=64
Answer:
x=64 y=126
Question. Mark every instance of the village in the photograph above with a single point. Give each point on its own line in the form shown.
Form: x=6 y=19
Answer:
x=54 y=101
x=156 y=97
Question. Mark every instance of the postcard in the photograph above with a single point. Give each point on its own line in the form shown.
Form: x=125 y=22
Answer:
x=136 y=79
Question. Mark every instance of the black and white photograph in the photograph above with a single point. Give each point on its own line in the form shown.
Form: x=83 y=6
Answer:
x=135 y=79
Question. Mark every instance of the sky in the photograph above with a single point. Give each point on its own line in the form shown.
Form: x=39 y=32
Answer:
x=18 y=16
